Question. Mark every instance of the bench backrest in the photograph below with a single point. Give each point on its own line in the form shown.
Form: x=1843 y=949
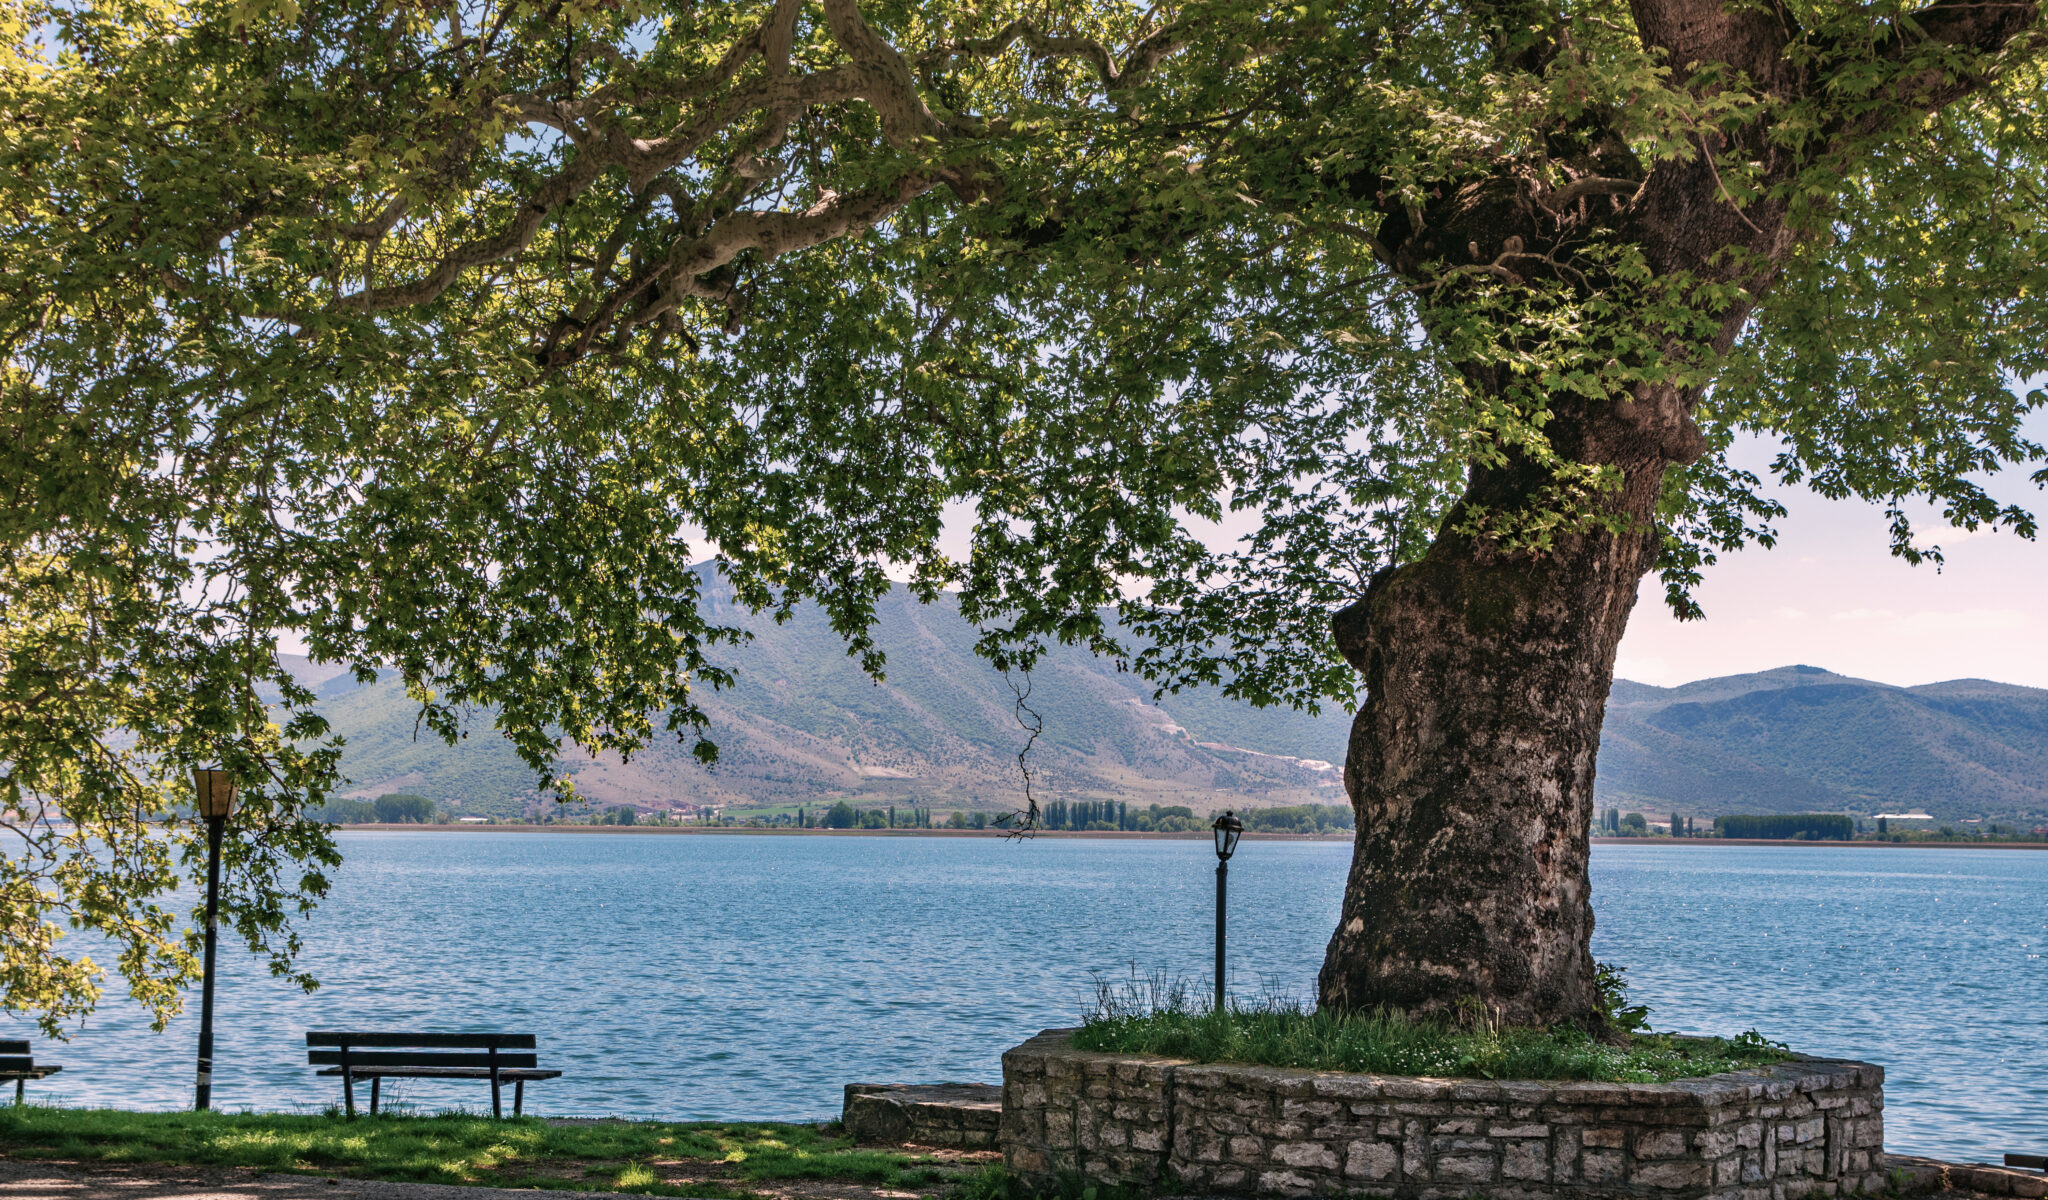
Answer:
x=14 y=1056
x=389 y=1049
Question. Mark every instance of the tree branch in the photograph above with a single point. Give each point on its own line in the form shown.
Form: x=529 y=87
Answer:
x=1143 y=57
x=1588 y=185
x=1984 y=26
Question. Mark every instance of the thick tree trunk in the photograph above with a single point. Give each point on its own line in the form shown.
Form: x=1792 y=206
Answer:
x=1471 y=764
x=1486 y=672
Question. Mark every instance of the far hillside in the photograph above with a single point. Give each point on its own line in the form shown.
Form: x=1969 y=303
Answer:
x=804 y=725
x=1801 y=739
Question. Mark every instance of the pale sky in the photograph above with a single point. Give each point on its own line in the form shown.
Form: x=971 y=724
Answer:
x=1831 y=595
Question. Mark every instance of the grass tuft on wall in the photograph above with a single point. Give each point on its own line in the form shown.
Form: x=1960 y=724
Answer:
x=1151 y=1017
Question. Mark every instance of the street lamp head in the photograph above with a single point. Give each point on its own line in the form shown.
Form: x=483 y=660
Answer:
x=216 y=790
x=1227 y=830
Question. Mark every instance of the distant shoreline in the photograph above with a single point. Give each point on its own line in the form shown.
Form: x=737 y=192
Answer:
x=1133 y=834
x=774 y=831
x=1794 y=843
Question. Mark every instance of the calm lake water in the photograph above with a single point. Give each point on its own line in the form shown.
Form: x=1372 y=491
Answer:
x=736 y=976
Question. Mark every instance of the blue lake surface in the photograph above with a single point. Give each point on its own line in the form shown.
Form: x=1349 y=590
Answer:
x=752 y=976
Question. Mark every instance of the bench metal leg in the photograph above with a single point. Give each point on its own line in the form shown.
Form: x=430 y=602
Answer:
x=497 y=1112
x=18 y=1085
x=376 y=1081
x=518 y=1096
x=348 y=1093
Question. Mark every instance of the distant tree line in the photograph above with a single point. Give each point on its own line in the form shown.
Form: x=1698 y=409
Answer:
x=1812 y=826
x=1300 y=818
x=1616 y=823
x=845 y=816
x=1118 y=815
x=1612 y=822
x=395 y=808
x=1098 y=814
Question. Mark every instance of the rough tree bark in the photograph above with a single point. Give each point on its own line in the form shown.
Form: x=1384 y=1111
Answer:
x=1471 y=770
x=1486 y=672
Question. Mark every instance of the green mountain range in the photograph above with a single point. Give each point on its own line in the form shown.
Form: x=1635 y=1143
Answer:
x=1801 y=739
x=804 y=725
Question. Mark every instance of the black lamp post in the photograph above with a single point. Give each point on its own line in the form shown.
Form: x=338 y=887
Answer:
x=216 y=803
x=1227 y=830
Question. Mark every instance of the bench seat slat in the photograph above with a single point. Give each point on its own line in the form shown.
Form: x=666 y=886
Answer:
x=2037 y=1161
x=511 y=1076
x=28 y=1072
x=379 y=1054
x=425 y=1058
x=480 y=1039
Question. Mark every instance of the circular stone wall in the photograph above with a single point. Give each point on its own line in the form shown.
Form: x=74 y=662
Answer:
x=1807 y=1127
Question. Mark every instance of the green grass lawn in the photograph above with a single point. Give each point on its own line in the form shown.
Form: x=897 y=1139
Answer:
x=1292 y=1037
x=725 y=1161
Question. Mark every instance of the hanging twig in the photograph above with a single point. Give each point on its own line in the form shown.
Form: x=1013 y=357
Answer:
x=1024 y=823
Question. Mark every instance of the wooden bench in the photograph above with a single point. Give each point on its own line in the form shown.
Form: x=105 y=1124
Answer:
x=2038 y=1162
x=497 y=1057
x=18 y=1065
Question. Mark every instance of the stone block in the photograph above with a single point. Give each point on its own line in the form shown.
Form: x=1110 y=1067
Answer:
x=1670 y=1176
x=1226 y=1178
x=1371 y=1160
x=1526 y=1161
x=1464 y=1168
x=1352 y=1088
x=1496 y=1129
x=1306 y=1155
x=1415 y=1089
x=1286 y=1183
x=950 y=1114
x=1602 y=1166
x=1414 y=1158
x=1661 y=1143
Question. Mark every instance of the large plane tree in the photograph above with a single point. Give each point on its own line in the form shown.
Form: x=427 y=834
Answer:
x=443 y=337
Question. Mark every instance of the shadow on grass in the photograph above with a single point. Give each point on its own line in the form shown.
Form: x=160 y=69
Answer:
x=460 y=1148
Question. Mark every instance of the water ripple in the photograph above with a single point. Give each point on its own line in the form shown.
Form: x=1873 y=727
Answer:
x=712 y=976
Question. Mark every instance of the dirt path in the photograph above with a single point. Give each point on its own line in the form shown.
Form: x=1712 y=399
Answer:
x=24 y=1179
x=29 y=1179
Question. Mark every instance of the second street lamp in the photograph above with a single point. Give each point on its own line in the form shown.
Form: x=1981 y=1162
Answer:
x=1227 y=830
x=216 y=804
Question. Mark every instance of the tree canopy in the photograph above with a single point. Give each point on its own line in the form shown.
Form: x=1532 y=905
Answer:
x=445 y=337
